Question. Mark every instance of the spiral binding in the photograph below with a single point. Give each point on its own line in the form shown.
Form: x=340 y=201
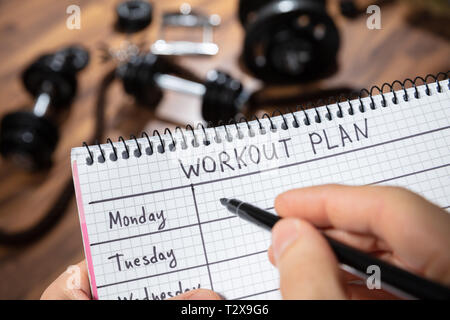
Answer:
x=296 y=123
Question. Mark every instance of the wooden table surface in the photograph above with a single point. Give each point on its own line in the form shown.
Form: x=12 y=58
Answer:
x=399 y=50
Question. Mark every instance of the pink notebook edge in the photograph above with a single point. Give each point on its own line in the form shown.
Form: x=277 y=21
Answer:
x=84 y=232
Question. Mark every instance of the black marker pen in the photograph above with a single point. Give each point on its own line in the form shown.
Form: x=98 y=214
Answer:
x=395 y=280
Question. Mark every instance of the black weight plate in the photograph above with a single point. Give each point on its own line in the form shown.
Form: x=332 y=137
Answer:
x=221 y=100
x=44 y=75
x=28 y=139
x=134 y=15
x=262 y=37
x=137 y=78
x=77 y=58
x=248 y=9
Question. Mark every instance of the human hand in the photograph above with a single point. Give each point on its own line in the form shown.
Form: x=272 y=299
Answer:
x=64 y=288
x=391 y=223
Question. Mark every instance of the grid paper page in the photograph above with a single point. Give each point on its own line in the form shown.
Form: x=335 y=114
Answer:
x=153 y=226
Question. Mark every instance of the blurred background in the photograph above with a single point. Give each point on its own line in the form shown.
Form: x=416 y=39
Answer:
x=294 y=52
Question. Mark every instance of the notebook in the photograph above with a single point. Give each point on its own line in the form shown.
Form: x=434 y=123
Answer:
x=149 y=209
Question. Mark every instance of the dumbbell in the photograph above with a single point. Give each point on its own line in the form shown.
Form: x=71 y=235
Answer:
x=288 y=41
x=145 y=76
x=30 y=136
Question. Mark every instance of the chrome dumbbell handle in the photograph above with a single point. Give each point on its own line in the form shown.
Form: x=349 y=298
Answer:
x=177 y=84
x=180 y=85
x=41 y=104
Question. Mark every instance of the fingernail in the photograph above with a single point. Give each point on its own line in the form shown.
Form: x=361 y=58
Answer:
x=284 y=234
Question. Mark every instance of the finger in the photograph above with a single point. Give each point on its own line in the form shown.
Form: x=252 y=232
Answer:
x=308 y=268
x=270 y=255
x=367 y=243
x=198 y=294
x=84 y=278
x=353 y=290
x=345 y=276
x=72 y=284
x=357 y=291
x=375 y=246
x=415 y=229
x=355 y=287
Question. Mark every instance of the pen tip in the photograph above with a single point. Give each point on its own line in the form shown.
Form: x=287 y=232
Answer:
x=224 y=201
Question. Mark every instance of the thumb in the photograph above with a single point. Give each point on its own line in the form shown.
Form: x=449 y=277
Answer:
x=198 y=294
x=308 y=267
